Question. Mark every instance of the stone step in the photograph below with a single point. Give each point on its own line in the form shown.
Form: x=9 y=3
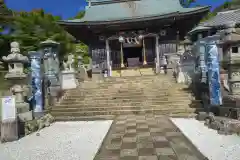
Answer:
x=129 y=102
x=103 y=85
x=117 y=108
x=129 y=90
x=129 y=95
x=85 y=118
x=120 y=112
x=93 y=105
x=112 y=117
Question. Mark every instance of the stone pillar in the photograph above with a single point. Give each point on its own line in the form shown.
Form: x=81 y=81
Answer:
x=157 y=55
x=122 y=64
x=121 y=40
x=144 y=52
x=108 y=58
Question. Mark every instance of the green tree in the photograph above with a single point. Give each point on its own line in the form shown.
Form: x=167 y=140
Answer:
x=80 y=15
x=6 y=19
x=31 y=28
x=225 y=6
x=186 y=3
x=81 y=48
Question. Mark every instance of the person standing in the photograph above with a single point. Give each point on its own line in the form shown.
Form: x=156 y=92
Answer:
x=165 y=64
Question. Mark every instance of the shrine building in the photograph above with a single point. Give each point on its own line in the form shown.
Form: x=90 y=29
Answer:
x=124 y=34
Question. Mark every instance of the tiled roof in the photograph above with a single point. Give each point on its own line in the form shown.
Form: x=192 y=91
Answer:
x=198 y=29
x=224 y=18
x=133 y=10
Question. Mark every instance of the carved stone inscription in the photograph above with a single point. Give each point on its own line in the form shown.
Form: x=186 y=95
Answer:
x=235 y=76
x=235 y=88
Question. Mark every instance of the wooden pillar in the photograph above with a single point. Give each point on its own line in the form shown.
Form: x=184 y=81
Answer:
x=122 y=64
x=144 y=53
x=157 y=55
x=108 y=57
x=177 y=40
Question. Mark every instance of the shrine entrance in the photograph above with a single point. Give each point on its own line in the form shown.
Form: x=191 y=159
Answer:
x=132 y=56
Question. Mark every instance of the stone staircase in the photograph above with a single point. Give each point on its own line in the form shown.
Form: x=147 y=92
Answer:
x=157 y=94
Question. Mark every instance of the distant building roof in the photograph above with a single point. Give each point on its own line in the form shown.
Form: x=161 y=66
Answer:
x=132 y=10
x=224 y=18
x=199 y=29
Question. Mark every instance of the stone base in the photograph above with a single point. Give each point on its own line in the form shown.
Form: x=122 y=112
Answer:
x=9 y=131
x=223 y=125
x=27 y=116
x=22 y=107
x=68 y=80
x=37 y=115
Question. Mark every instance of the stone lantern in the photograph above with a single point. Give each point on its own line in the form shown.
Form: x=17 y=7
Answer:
x=17 y=77
x=51 y=64
x=187 y=44
x=231 y=39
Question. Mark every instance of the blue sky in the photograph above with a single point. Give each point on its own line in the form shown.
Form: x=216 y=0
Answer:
x=69 y=8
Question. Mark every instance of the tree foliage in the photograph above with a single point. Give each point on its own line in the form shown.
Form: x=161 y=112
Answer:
x=31 y=28
x=80 y=15
x=6 y=19
x=225 y=6
x=186 y=3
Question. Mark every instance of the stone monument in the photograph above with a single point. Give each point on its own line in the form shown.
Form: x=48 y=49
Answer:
x=37 y=82
x=68 y=79
x=18 y=78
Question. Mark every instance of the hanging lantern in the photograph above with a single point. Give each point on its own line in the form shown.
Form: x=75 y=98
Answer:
x=121 y=39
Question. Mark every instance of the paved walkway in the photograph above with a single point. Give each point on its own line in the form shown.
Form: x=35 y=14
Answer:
x=146 y=137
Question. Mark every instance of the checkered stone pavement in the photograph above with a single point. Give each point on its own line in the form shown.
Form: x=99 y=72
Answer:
x=146 y=137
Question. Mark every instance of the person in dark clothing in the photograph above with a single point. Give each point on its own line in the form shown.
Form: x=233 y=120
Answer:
x=165 y=64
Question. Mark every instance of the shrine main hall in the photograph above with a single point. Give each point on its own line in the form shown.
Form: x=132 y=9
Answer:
x=124 y=34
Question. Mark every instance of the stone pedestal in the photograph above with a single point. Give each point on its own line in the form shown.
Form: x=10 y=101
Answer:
x=68 y=80
x=9 y=130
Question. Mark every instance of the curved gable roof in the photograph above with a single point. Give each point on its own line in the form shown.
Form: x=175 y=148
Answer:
x=133 y=10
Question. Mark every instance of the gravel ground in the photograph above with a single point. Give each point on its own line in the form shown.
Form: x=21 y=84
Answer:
x=208 y=141
x=62 y=141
